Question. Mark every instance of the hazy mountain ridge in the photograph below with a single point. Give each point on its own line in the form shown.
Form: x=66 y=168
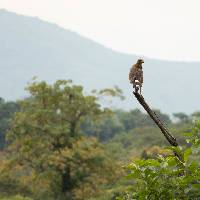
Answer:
x=30 y=47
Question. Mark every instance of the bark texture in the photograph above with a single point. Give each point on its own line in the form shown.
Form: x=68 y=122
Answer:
x=158 y=122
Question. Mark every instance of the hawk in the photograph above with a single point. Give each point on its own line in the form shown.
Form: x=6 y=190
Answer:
x=136 y=75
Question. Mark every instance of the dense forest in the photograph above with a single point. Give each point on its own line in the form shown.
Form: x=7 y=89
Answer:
x=63 y=144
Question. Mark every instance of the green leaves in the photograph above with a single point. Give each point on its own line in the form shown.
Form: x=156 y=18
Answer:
x=167 y=177
x=51 y=157
x=7 y=110
x=18 y=197
x=187 y=153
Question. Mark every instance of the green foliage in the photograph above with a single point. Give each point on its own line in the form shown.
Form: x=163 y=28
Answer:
x=154 y=151
x=48 y=157
x=196 y=115
x=167 y=177
x=17 y=197
x=135 y=119
x=134 y=142
x=7 y=110
x=109 y=126
x=182 y=117
x=54 y=152
x=104 y=129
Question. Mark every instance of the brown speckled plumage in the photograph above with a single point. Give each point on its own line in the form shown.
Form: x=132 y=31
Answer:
x=136 y=74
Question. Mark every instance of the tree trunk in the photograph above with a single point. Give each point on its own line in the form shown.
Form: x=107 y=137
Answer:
x=67 y=184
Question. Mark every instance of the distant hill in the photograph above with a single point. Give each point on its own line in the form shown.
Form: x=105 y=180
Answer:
x=32 y=47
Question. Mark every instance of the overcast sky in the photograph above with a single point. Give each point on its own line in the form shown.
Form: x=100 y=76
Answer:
x=166 y=29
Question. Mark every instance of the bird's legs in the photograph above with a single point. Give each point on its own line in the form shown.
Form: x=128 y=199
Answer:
x=137 y=86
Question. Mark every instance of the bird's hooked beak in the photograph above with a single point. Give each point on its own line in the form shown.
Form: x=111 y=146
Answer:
x=140 y=61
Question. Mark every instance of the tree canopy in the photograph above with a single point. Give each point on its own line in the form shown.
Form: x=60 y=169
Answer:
x=49 y=155
x=64 y=144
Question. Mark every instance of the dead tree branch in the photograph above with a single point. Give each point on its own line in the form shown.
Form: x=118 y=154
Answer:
x=155 y=118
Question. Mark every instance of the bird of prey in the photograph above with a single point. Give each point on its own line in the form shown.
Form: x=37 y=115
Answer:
x=136 y=75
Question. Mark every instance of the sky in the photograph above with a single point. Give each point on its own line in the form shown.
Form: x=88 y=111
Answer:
x=162 y=29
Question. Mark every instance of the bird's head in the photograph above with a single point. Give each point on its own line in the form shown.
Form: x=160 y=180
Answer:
x=140 y=61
